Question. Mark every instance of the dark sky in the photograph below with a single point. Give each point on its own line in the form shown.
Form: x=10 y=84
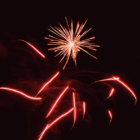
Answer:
x=115 y=26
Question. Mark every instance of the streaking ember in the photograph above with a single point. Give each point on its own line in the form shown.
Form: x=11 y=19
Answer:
x=110 y=115
x=21 y=93
x=117 y=79
x=48 y=126
x=57 y=101
x=48 y=82
x=111 y=93
x=69 y=43
x=33 y=47
x=74 y=106
x=128 y=88
x=84 y=109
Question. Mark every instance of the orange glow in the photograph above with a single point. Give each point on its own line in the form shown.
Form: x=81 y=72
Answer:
x=117 y=79
x=57 y=101
x=110 y=115
x=48 y=126
x=33 y=48
x=84 y=109
x=23 y=94
x=48 y=82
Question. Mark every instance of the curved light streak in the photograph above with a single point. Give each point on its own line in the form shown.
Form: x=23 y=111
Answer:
x=128 y=88
x=122 y=83
x=48 y=126
x=111 y=93
x=21 y=93
x=74 y=106
x=33 y=47
x=110 y=115
x=48 y=82
x=57 y=101
x=84 y=109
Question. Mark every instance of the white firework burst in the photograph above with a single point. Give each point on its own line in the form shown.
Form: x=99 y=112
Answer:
x=69 y=43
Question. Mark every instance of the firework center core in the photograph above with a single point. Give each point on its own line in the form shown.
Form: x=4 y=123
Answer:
x=71 y=44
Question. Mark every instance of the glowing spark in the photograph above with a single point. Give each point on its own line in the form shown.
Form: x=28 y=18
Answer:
x=128 y=88
x=84 y=109
x=57 y=101
x=108 y=79
x=48 y=82
x=112 y=90
x=117 y=79
x=69 y=43
x=74 y=106
x=27 y=96
x=33 y=48
x=48 y=126
x=111 y=93
x=110 y=115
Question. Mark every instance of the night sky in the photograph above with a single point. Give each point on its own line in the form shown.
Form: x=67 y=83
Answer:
x=115 y=27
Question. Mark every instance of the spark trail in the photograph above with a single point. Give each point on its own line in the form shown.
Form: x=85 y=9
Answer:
x=84 y=109
x=74 y=106
x=111 y=93
x=33 y=47
x=69 y=43
x=21 y=93
x=48 y=126
x=122 y=83
x=57 y=101
x=110 y=115
x=48 y=82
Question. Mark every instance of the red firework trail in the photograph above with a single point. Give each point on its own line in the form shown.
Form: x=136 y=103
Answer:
x=48 y=126
x=117 y=79
x=111 y=93
x=21 y=93
x=127 y=88
x=74 y=106
x=48 y=82
x=42 y=55
x=84 y=109
x=110 y=115
x=57 y=101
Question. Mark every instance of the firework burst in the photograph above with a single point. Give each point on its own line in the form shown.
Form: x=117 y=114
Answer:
x=69 y=43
